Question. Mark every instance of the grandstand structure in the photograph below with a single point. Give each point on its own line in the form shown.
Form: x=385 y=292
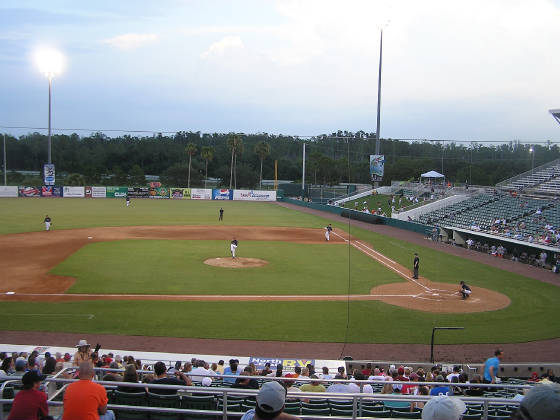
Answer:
x=543 y=180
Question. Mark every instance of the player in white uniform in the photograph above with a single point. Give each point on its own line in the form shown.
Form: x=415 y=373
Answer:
x=233 y=247
x=328 y=231
x=127 y=201
x=47 y=223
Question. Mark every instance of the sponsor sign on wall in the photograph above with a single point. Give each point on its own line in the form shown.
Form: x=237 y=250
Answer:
x=8 y=191
x=48 y=174
x=286 y=363
x=159 y=192
x=50 y=191
x=376 y=167
x=73 y=192
x=218 y=194
x=201 y=194
x=99 y=192
x=116 y=192
x=254 y=195
x=138 y=192
x=29 y=191
x=180 y=193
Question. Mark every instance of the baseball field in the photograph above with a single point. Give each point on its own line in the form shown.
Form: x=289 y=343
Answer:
x=163 y=268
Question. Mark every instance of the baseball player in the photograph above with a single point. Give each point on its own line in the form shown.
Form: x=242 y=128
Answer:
x=328 y=231
x=233 y=247
x=465 y=290
x=127 y=201
x=415 y=266
x=221 y=217
x=47 y=223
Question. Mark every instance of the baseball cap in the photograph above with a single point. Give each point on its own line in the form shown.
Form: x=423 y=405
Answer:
x=542 y=402
x=206 y=381
x=271 y=397
x=443 y=408
x=31 y=377
x=20 y=363
x=67 y=356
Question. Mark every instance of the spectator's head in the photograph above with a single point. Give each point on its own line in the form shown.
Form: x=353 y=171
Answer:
x=7 y=364
x=67 y=357
x=86 y=371
x=443 y=408
x=341 y=370
x=200 y=363
x=221 y=362
x=83 y=346
x=305 y=372
x=214 y=367
x=21 y=364
x=206 y=381
x=187 y=367
x=178 y=365
x=359 y=376
x=499 y=353
x=297 y=370
x=541 y=402
x=289 y=383
x=270 y=400
x=130 y=374
x=315 y=382
x=50 y=366
x=440 y=378
x=325 y=370
x=279 y=369
x=159 y=368
x=400 y=371
x=32 y=380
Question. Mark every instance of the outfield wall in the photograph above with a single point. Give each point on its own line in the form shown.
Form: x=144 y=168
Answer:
x=177 y=193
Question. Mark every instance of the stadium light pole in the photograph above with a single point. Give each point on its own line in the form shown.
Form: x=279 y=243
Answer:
x=532 y=151
x=50 y=62
x=377 y=140
x=5 y=174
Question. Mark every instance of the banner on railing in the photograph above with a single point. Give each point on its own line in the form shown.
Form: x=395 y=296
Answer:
x=201 y=194
x=159 y=192
x=286 y=363
x=222 y=194
x=8 y=191
x=73 y=192
x=29 y=191
x=254 y=195
x=180 y=193
x=51 y=191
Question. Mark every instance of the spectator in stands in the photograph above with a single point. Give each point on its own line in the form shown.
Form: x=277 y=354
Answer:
x=443 y=408
x=30 y=403
x=289 y=385
x=130 y=375
x=161 y=378
x=49 y=367
x=266 y=370
x=176 y=367
x=311 y=369
x=113 y=375
x=541 y=402
x=220 y=369
x=364 y=388
x=200 y=372
x=83 y=354
x=279 y=369
x=341 y=372
x=491 y=367
x=474 y=391
x=84 y=399
x=7 y=367
x=20 y=367
x=440 y=389
x=187 y=367
x=341 y=387
x=244 y=380
x=270 y=404
x=424 y=391
x=231 y=370
x=297 y=371
x=313 y=386
x=455 y=374
x=377 y=375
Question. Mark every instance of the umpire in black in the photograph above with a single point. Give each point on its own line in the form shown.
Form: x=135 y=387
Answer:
x=415 y=266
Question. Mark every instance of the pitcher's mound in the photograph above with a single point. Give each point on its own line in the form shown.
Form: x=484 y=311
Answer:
x=235 y=263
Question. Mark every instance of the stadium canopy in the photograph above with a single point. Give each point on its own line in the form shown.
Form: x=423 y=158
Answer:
x=556 y=114
x=432 y=174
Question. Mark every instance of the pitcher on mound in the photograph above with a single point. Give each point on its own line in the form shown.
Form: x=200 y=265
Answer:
x=233 y=247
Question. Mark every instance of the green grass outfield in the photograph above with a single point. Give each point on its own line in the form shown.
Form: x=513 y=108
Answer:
x=531 y=316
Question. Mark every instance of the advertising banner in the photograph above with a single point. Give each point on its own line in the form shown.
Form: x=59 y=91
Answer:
x=98 y=192
x=48 y=174
x=73 y=192
x=222 y=194
x=159 y=192
x=180 y=193
x=8 y=191
x=286 y=363
x=51 y=191
x=201 y=194
x=138 y=192
x=29 y=191
x=376 y=166
x=87 y=192
x=116 y=192
x=254 y=195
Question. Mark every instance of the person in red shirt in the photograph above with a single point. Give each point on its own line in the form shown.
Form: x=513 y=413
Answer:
x=84 y=399
x=30 y=403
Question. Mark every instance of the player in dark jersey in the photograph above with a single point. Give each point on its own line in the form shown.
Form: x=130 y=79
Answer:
x=415 y=266
x=221 y=214
x=465 y=290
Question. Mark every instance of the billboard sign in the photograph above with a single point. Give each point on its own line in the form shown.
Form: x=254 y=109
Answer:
x=50 y=191
x=29 y=191
x=73 y=192
x=48 y=174
x=254 y=195
x=8 y=191
x=98 y=192
x=376 y=167
x=138 y=192
x=223 y=194
x=159 y=192
x=180 y=193
x=285 y=362
x=201 y=194
x=116 y=192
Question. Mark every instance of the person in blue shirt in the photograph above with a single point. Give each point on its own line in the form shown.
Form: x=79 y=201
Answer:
x=231 y=370
x=440 y=389
x=491 y=367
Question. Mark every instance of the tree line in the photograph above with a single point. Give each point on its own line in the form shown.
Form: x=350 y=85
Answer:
x=235 y=160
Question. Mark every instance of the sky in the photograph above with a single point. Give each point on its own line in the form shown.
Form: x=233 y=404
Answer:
x=463 y=70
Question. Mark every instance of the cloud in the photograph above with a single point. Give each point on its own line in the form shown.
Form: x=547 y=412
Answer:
x=225 y=45
x=131 y=41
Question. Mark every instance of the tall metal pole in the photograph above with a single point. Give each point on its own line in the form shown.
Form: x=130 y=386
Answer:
x=377 y=141
x=303 y=176
x=49 y=141
x=5 y=164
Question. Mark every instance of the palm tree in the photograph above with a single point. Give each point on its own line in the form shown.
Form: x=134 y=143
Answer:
x=236 y=145
x=191 y=150
x=262 y=150
x=207 y=153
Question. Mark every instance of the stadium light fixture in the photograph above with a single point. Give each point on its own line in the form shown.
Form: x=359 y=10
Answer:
x=532 y=151
x=50 y=63
x=555 y=114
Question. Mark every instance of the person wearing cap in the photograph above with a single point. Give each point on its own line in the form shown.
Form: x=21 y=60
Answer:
x=542 y=402
x=83 y=354
x=415 y=266
x=20 y=366
x=443 y=407
x=84 y=399
x=30 y=403
x=270 y=404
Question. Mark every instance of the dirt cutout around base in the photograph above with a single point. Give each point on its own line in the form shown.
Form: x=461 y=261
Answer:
x=27 y=258
x=239 y=262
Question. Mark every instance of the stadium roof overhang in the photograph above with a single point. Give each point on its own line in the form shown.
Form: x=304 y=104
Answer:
x=556 y=114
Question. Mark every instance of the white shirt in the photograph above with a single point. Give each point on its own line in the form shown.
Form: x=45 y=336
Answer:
x=200 y=371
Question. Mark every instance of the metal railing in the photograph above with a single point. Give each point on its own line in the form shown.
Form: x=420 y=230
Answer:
x=527 y=173
x=356 y=399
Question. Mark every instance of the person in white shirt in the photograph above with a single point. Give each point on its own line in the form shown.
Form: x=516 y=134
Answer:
x=325 y=374
x=200 y=372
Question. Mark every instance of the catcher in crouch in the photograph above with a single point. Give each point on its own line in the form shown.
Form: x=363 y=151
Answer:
x=465 y=290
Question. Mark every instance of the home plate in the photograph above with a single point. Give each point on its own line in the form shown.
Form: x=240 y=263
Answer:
x=10 y=293
x=90 y=237
x=435 y=294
